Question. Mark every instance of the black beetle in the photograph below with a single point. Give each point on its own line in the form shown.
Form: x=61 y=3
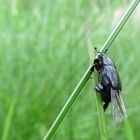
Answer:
x=110 y=86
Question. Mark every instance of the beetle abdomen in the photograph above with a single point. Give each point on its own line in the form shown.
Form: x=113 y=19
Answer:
x=106 y=94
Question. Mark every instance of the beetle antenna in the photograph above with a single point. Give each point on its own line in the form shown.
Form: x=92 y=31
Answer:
x=96 y=50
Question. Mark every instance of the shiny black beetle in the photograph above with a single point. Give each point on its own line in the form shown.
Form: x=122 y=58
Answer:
x=110 y=86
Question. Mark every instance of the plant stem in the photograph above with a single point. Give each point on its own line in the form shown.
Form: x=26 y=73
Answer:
x=8 y=119
x=128 y=130
x=68 y=104
x=119 y=26
x=100 y=111
x=87 y=74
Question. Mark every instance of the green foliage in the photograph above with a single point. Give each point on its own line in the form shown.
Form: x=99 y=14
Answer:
x=43 y=56
x=92 y=55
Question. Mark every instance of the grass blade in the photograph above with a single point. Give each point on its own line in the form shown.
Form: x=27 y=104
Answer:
x=128 y=130
x=9 y=119
x=119 y=26
x=87 y=74
x=92 y=54
x=68 y=104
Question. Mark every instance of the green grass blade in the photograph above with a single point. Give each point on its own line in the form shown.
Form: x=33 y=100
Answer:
x=119 y=26
x=68 y=104
x=8 y=120
x=86 y=76
x=128 y=130
x=92 y=54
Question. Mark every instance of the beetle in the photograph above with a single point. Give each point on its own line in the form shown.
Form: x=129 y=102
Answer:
x=110 y=86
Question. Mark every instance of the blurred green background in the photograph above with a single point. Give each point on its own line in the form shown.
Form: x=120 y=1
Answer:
x=43 y=55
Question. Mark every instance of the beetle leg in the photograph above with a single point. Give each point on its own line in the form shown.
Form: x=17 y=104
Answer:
x=99 y=87
x=105 y=106
x=92 y=68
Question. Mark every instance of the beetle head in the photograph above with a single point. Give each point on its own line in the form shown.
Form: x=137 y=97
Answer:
x=98 y=64
x=102 y=59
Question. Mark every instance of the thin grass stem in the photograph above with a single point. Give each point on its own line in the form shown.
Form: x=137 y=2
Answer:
x=87 y=74
x=92 y=54
x=68 y=104
x=9 y=119
x=119 y=26
x=128 y=130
